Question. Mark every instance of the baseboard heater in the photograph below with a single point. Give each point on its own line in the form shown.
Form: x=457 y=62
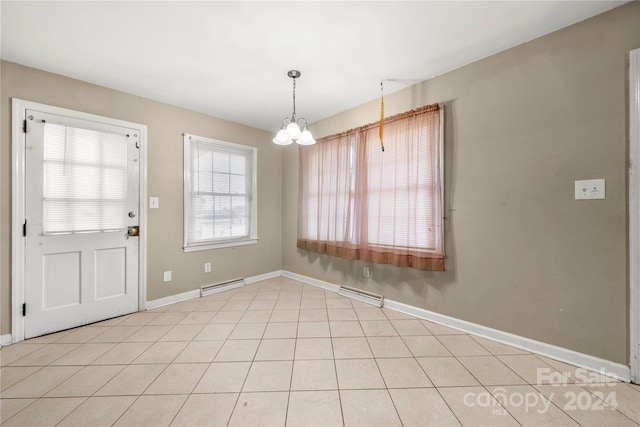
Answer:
x=221 y=287
x=362 y=296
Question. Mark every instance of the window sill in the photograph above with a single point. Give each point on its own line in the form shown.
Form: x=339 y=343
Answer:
x=209 y=246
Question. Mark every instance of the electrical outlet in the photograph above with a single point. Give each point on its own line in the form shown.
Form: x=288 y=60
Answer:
x=366 y=272
x=590 y=189
x=167 y=276
x=207 y=267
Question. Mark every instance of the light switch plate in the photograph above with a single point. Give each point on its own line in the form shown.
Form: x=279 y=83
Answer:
x=167 y=276
x=154 y=202
x=590 y=189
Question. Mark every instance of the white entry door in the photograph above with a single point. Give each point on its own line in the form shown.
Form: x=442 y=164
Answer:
x=81 y=204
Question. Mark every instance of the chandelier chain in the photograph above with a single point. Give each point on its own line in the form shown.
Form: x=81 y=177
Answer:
x=293 y=117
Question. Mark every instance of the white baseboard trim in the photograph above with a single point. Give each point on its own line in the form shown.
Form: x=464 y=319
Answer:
x=261 y=277
x=5 y=340
x=582 y=360
x=172 y=299
x=311 y=281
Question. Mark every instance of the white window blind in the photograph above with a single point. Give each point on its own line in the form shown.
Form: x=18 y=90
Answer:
x=219 y=193
x=403 y=188
x=85 y=180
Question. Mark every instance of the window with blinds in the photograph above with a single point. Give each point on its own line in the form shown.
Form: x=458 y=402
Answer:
x=84 y=180
x=359 y=202
x=219 y=194
x=402 y=189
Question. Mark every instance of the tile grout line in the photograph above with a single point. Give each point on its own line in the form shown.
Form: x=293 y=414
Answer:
x=335 y=367
x=586 y=388
x=473 y=376
x=245 y=378
x=155 y=379
x=293 y=362
x=150 y=383
x=385 y=381
x=534 y=385
x=425 y=372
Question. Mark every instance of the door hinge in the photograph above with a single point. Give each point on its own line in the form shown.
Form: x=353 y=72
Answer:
x=24 y=229
x=24 y=309
x=24 y=126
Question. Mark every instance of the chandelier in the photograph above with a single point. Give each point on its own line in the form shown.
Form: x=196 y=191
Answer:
x=290 y=130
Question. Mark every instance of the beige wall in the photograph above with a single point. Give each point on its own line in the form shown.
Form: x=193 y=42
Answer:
x=522 y=255
x=165 y=125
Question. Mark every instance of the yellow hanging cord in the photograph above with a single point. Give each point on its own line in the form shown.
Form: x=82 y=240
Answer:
x=381 y=116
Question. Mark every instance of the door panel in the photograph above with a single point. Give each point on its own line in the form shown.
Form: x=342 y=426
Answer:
x=82 y=180
x=110 y=278
x=61 y=280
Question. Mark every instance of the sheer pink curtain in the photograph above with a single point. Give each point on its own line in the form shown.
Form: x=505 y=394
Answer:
x=358 y=202
x=327 y=196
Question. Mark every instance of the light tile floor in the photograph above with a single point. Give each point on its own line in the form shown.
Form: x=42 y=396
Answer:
x=280 y=352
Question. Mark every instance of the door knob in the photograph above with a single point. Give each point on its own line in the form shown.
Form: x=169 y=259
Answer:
x=133 y=230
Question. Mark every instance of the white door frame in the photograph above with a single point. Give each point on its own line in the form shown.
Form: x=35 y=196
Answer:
x=634 y=213
x=18 y=254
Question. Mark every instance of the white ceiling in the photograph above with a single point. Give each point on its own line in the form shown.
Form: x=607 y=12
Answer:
x=230 y=59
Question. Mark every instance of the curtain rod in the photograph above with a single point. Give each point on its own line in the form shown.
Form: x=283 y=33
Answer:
x=391 y=119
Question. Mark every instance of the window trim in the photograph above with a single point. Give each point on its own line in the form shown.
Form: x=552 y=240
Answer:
x=252 y=239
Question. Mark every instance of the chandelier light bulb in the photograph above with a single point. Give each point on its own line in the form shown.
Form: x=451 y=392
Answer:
x=282 y=138
x=306 y=138
x=293 y=130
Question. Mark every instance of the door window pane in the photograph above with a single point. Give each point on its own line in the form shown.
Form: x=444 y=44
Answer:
x=85 y=180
